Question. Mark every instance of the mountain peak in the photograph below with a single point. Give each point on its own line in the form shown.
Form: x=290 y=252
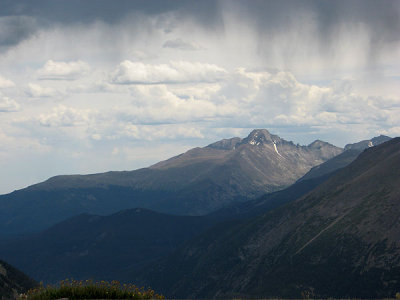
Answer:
x=260 y=136
x=380 y=139
x=318 y=144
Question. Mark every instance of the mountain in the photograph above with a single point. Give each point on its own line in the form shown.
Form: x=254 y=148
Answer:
x=331 y=165
x=340 y=161
x=367 y=143
x=101 y=247
x=91 y=246
x=193 y=183
x=306 y=183
x=78 y=246
x=268 y=201
x=341 y=240
x=13 y=282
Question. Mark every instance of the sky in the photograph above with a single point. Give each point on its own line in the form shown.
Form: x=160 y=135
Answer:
x=95 y=85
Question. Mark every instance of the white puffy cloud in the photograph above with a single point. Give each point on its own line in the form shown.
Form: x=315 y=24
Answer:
x=6 y=83
x=270 y=99
x=129 y=72
x=198 y=91
x=63 y=116
x=159 y=104
x=8 y=105
x=38 y=91
x=59 y=70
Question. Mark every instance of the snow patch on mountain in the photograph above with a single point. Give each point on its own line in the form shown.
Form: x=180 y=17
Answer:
x=276 y=149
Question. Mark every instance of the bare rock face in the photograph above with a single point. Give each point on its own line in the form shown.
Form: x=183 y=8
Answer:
x=193 y=183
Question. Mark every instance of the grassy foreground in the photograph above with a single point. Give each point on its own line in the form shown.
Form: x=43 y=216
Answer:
x=89 y=289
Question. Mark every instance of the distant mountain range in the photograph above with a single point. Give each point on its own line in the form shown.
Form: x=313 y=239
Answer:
x=197 y=182
x=13 y=282
x=340 y=240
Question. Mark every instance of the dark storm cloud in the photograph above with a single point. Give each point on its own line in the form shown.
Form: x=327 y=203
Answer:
x=381 y=19
x=13 y=29
x=19 y=19
x=83 y=11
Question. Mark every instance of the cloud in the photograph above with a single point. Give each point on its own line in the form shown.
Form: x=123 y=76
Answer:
x=129 y=72
x=59 y=70
x=120 y=132
x=68 y=12
x=16 y=144
x=158 y=104
x=6 y=83
x=14 y=29
x=393 y=131
x=320 y=27
x=278 y=99
x=100 y=86
x=37 y=91
x=162 y=132
x=8 y=105
x=247 y=99
x=182 y=45
x=270 y=99
x=63 y=116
